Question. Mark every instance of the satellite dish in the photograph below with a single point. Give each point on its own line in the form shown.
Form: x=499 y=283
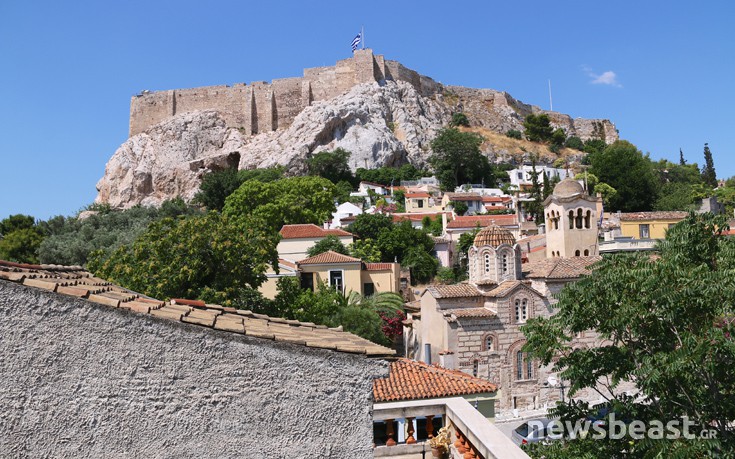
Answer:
x=552 y=381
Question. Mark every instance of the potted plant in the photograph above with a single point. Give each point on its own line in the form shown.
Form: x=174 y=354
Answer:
x=440 y=443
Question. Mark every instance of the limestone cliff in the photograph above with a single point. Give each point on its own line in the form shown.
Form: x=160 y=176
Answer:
x=381 y=123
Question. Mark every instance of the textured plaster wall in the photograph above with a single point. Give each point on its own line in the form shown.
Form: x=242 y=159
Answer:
x=83 y=380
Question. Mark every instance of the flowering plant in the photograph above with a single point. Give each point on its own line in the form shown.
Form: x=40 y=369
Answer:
x=441 y=439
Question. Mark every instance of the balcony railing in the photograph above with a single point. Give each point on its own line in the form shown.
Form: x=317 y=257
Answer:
x=473 y=436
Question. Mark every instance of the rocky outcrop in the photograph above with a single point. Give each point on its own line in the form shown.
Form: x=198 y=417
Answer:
x=387 y=123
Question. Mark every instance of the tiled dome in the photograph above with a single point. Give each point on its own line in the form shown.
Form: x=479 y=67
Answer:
x=494 y=236
x=568 y=187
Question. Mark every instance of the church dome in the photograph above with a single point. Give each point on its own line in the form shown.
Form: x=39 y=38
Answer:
x=568 y=187
x=494 y=236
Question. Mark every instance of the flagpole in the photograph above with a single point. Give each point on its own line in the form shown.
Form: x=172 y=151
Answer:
x=362 y=34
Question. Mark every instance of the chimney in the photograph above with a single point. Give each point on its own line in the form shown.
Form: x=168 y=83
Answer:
x=446 y=359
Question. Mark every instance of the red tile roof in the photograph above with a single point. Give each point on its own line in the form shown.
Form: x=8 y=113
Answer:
x=483 y=221
x=411 y=380
x=417 y=217
x=496 y=199
x=309 y=231
x=464 y=197
x=559 y=268
x=466 y=313
x=329 y=257
x=73 y=281
x=378 y=266
x=645 y=216
x=420 y=194
x=453 y=291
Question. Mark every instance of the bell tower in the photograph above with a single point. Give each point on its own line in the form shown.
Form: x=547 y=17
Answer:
x=571 y=221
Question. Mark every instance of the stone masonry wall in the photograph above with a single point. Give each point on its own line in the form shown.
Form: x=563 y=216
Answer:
x=83 y=380
x=262 y=106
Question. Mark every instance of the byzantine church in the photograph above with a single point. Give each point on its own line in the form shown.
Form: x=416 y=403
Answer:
x=475 y=326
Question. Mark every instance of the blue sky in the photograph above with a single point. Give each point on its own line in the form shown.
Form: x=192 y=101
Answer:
x=661 y=71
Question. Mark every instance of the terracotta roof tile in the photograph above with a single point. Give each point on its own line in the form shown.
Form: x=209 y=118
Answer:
x=411 y=380
x=469 y=313
x=309 y=231
x=329 y=257
x=378 y=266
x=417 y=217
x=660 y=215
x=419 y=194
x=482 y=220
x=453 y=291
x=464 y=197
x=559 y=268
x=504 y=288
x=75 y=282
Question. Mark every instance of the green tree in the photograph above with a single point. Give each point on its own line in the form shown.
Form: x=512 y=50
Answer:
x=325 y=245
x=514 y=134
x=459 y=207
x=535 y=208
x=538 y=128
x=589 y=179
x=365 y=249
x=709 y=177
x=388 y=175
x=208 y=257
x=457 y=159
x=558 y=137
x=397 y=241
x=422 y=264
x=16 y=222
x=606 y=191
x=21 y=245
x=287 y=201
x=432 y=226
x=399 y=197
x=466 y=240
x=594 y=146
x=682 y=161
x=331 y=165
x=217 y=185
x=622 y=166
x=71 y=240
x=664 y=324
x=445 y=275
x=459 y=119
x=574 y=142
x=369 y=226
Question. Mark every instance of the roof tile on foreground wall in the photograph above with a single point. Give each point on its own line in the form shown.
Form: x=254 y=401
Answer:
x=411 y=380
x=559 y=268
x=75 y=282
x=378 y=266
x=453 y=291
x=309 y=231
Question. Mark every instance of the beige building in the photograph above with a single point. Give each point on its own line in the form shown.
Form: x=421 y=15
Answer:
x=296 y=240
x=422 y=202
x=344 y=273
x=648 y=225
x=571 y=221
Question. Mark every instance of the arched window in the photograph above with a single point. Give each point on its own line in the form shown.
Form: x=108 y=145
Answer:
x=489 y=343
x=521 y=310
x=571 y=219
x=524 y=366
x=487 y=262
x=505 y=263
x=579 y=218
x=576 y=253
x=556 y=220
x=587 y=218
x=475 y=367
x=586 y=253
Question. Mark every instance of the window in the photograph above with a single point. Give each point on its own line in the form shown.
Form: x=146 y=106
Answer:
x=521 y=309
x=586 y=253
x=520 y=176
x=475 y=368
x=587 y=218
x=524 y=366
x=644 y=231
x=307 y=281
x=505 y=263
x=419 y=203
x=489 y=343
x=336 y=280
x=579 y=218
x=571 y=219
x=368 y=289
x=487 y=262
x=576 y=253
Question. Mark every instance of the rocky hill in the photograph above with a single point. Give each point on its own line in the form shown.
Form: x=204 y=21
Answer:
x=381 y=123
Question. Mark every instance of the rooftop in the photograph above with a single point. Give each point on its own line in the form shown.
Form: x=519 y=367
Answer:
x=329 y=257
x=659 y=215
x=494 y=236
x=463 y=196
x=73 y=281
x=411 y=380
x=453 y=291
x=309 y=231
x=473 y=221
x=559 y=268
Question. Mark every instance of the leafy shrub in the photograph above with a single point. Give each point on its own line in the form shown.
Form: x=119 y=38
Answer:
x=514 y=134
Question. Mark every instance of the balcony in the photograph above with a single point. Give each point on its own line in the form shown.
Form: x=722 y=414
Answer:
x=627 y=245
x=472 y=435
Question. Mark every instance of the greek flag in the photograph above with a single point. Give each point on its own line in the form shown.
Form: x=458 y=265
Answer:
x=356 y=41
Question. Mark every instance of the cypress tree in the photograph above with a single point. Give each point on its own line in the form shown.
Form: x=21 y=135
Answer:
x=682 y=161
x=709 y=177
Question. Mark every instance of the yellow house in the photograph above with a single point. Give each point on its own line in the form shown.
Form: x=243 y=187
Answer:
x=648 y=225
x=421 y=201
x=346 y=274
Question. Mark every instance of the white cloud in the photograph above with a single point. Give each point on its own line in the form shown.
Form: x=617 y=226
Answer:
x=609 y=77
